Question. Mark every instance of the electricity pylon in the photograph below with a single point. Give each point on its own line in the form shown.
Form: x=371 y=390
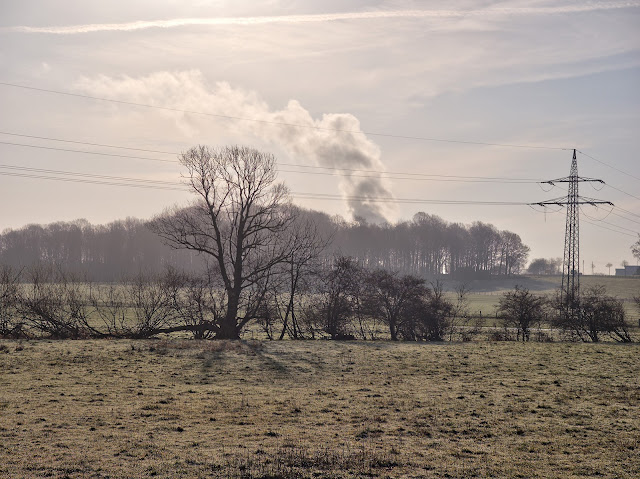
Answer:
x=570 y=292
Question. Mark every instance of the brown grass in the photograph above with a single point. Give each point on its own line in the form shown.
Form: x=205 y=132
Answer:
x=318 y=409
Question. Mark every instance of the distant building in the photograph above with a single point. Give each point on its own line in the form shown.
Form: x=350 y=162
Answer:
x=628 y=271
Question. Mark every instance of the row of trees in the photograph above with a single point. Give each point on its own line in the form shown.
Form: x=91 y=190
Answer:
x=105 y=252
x=228 y=181
x=345 y=301
x=426 y=246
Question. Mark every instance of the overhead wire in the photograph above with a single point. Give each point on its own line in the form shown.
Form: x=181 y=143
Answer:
x=606 y=222
x=89 y=175
x=622 y=191
x=627 y=212
x=87 y=181
x=334 y=172
x=282 y=123
x=113 y=181
x=610 y=229
x=84 y=143
x=86 y=152
x=623 y=217
x=607 y=164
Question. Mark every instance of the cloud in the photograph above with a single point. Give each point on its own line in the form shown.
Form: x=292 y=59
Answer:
x=322 y=18
x=315 y=141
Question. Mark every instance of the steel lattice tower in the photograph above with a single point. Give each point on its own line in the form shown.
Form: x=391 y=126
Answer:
x=571 y=263
x=570 y=293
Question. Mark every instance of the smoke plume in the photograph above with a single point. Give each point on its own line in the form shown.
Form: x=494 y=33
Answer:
x=334 y=141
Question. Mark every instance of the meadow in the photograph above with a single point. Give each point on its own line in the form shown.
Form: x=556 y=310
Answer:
x=484 y=294
x=318 y=409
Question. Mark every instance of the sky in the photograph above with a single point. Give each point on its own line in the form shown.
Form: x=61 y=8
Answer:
x=472 y=102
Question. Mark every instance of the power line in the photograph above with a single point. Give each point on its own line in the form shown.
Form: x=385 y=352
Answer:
x=320 y=196
x=610 y=229
x=628 y=212
x=282 y=123
x=85 y=152
x=621 y=191
x=108 y=180
x=89 y=175
x=377 y=173
x=607 y=223
x=84 y=143
x=607 y=164
x=624 y=217
x=614 y=207
x=297 y=165
x=87 y=181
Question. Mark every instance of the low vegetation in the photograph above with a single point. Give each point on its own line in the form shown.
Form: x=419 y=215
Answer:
x=188 y=408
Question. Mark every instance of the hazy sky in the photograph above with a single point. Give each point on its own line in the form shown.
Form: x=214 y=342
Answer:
x=340 y=85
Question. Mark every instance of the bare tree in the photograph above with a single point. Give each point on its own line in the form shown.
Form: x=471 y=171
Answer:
x=522 y=310
x=393 y=299
x=635 y=249
x=237 y=222
x=336 y=299
x=307 y=244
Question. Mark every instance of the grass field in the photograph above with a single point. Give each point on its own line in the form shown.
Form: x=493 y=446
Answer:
x=484 y=294
x=318 y=409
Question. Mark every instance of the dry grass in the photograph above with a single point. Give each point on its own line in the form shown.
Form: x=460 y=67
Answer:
x=485 y=294
x=318 y=409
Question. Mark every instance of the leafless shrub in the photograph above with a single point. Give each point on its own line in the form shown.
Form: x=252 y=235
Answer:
x=55 y=302
x=597 y=314
x=10 y=324
x=460 y=324
x=522 y=310
x=110 y=306
x=150 y=300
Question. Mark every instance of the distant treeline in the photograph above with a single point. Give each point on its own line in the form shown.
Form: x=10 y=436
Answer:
x=427 y=246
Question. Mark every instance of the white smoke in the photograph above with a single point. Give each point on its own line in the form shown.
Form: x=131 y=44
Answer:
x=333 y=141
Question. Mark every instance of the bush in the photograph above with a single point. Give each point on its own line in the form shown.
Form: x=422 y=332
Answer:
x=597 y=314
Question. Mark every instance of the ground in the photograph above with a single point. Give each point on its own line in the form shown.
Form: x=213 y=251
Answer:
x=318 y=409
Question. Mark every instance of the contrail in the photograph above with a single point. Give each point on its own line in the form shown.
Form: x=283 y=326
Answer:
x=319 y=18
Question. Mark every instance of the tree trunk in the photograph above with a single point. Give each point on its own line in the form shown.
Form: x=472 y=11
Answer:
x=229 y=325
